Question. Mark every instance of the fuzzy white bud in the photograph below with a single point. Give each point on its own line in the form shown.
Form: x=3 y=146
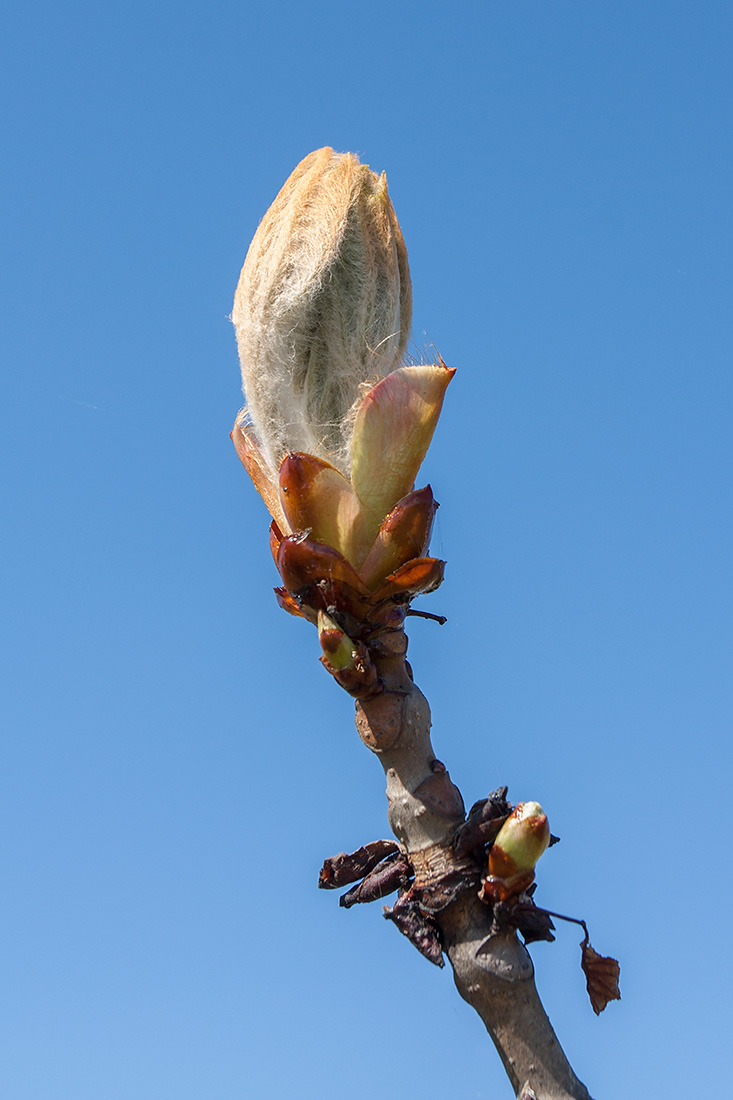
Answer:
x=323 y=305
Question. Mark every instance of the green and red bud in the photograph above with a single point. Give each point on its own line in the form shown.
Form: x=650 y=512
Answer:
x=338 y=648
x=521 y=841
x=335 y=429
x=348 y=661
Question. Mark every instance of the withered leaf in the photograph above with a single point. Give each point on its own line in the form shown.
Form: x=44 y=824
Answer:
x=391 y=874
x=419 y=929
x=348 y=867
x=601 y=976
x=485 y=818
x=498 y=800
x=533 y=923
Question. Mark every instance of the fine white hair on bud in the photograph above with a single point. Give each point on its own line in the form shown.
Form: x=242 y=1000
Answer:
x=323 y=305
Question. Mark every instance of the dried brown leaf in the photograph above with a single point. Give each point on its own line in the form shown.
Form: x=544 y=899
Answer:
x=484 y=820
x=534 y=924
x=420 y=929
x=601 y=975
x=346 y=867
x=390 y=875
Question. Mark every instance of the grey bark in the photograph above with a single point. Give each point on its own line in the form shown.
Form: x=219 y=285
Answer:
x=425 y=808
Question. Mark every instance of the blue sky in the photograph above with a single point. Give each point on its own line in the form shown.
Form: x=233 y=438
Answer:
x=175 y=763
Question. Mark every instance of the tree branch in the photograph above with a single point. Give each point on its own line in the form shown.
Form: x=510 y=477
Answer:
x=493 y=972
x=338 y=432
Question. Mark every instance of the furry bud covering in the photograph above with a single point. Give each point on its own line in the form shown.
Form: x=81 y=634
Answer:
x=323 y=305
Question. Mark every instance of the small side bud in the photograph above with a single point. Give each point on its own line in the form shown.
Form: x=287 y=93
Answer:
x=338 y=648
x=522 y=839
x=324 y=304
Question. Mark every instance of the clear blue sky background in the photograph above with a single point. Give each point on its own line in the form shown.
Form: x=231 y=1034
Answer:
x=175 y=763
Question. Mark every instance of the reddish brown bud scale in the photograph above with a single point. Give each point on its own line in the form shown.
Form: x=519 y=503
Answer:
x=412 y=579
x=303 y=561
x=276 y=537
x=287 y=603
x=256 y=466
x=405 y=534
x=316 y=497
